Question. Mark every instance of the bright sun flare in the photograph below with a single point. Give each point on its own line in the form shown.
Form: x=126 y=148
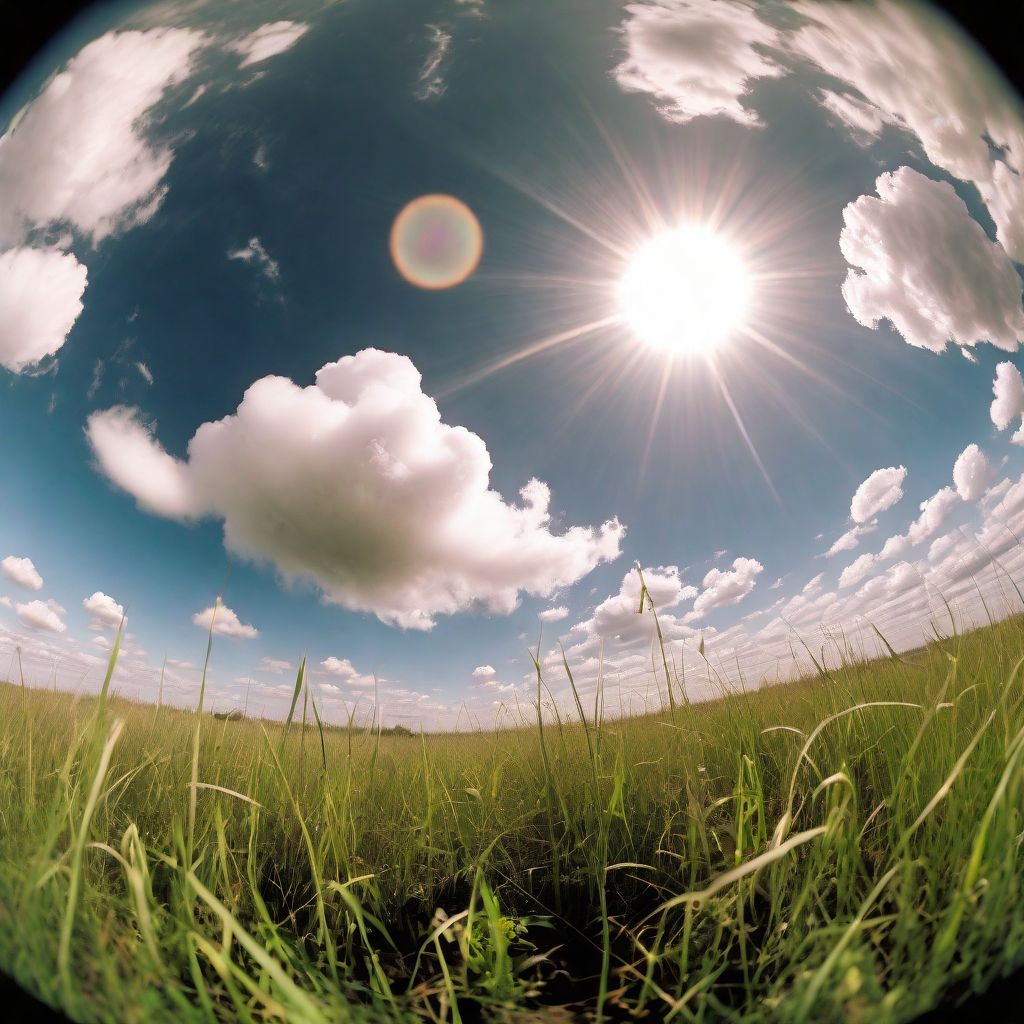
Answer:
x=686 y=291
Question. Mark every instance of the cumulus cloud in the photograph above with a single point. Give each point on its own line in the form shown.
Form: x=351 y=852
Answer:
x=78 y=154
x=723 y=588
x=268 y=41
x=919 y=260
x=972 y=473
x=1008 y=404
x=880 y=491
x=22 y=571
x=857 y=570
x=41 y=298
x=906 y=61
x=618 y=615
x=849 y=540
x=254 y=252
x=484 y=672
x=131 y=459
x=357 y=484
x=696 y=59
x=344 y=669
x=42 y=615
x=934 y=511
x=554 y=614
x=225 y=623
x=103 y=610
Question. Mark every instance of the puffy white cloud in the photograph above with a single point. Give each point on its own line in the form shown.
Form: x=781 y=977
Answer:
x=919 y=260
x=880 y=491
x=78 y=153
x=849 y=540
x=254 y=252
x=722 y=588
x=42 y=615
x=972 y=473
x=130 y=458
x=344 y=668
x=41 y=298
x=857 y=570
x=934 y=511
x=484 y=672
x=696 y=59
x=355 y=483
x=268 y=41
x=225 y=623
x=554 y=614
x=618 y=615
x=22 y=571
x=103 y=609
x=908 y=62
x=1008 y=404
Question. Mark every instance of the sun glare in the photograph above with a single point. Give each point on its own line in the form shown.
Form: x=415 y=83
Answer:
x=685 y=292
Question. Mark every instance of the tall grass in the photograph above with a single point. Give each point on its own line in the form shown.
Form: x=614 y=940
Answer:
x=845 y=847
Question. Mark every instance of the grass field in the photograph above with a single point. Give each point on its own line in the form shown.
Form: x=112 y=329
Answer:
x=845 y=848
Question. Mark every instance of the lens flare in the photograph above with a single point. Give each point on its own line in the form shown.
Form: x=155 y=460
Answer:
x=436 y=242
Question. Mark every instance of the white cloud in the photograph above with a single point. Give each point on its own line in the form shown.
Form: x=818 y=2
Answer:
x=268 y=41
x=857 y=570
x=225 y=623
x=41 y=298
x=727 y=588
x=103 y=610
x=907 y=61
x=22 y=571
x=1008 y=405
x=128 y=455
x=619 y=615
x=934 y=511
x=276 y=665
x=812 y=586
x=919 y=260
x=849 y=540
x=696 y=59
x=42 y=615
x=863 y=119
x=144 y=371
x=355 y=483
x=972 y=473
x=344 y=668
x=253 y=252
x=880 y=491
x=554 y=614
x=430 y=82
x=78 y=153
x=484 y=672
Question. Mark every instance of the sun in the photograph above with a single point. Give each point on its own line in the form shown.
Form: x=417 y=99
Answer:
x=685 y=292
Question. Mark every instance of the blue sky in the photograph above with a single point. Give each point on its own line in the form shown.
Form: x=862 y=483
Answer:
x=573 y=139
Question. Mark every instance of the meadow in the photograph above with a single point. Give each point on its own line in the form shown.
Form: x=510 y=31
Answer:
x=847 y=847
